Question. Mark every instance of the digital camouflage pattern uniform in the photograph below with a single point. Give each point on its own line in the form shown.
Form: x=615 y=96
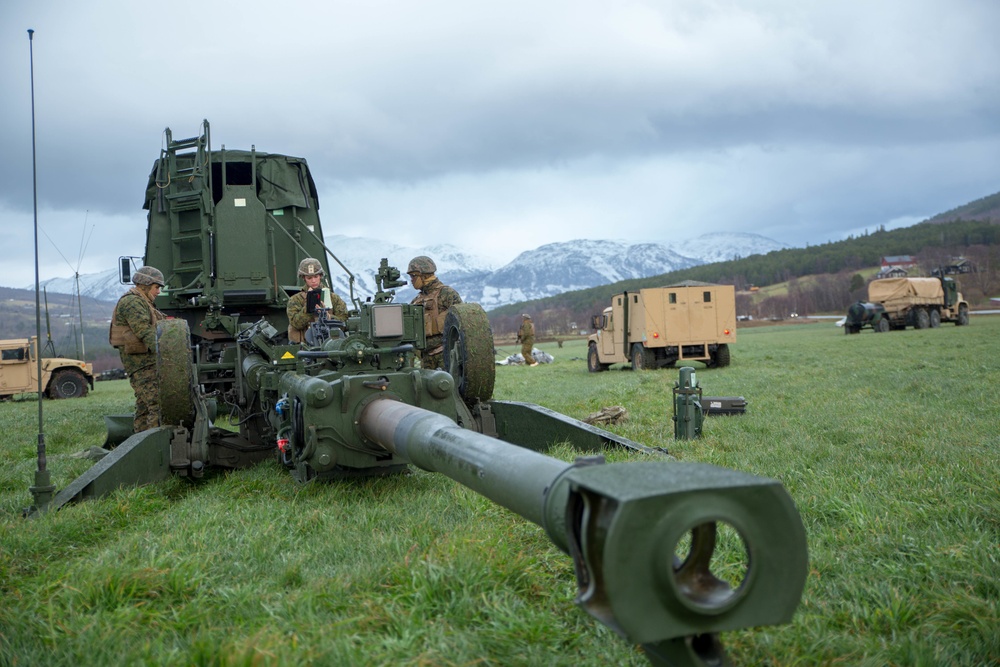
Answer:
x=436 y=298
x=133 y=332
x=299 y=320
x=526 y=336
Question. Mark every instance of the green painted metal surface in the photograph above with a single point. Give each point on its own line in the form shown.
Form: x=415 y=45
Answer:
x=142 y=458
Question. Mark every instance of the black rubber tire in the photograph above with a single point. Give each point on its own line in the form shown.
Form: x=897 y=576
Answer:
x=174 y=372
x=594 y=364
x=935 y=316
x=721 y=356
x=468 y=351
x=68 y=383
x=882 y=326
x=921 y=320
x=963 y=316
x=641 y=359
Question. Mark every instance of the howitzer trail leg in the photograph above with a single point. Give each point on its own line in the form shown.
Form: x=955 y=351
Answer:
x=142 y=459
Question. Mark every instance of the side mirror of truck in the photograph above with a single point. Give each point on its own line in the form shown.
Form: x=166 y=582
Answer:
x=125 y=269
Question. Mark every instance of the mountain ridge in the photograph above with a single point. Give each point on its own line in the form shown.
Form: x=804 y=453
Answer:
x=545 y=271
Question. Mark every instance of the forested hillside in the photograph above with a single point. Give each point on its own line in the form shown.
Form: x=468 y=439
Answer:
x=834 y=272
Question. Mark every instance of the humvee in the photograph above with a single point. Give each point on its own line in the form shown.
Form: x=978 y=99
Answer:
x=61 y=378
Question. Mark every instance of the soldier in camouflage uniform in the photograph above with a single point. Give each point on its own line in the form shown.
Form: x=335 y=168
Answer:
x=436 y=298
x=133 y=332
x=526 y=337
x=311 y=273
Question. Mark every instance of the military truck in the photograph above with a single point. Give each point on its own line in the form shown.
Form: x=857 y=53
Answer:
x=895 y=303
x=657 y=327
x=61 y=378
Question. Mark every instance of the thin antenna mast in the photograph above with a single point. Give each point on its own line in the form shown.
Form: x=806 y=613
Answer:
x=43 y=489
x=49 y=345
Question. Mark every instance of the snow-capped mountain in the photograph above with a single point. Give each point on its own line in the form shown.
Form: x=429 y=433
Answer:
x=561 y=267
x=103 y=286
x=711 y=248
x=551 y=269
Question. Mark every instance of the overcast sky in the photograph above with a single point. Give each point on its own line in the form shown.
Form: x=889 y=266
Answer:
x=500 y=126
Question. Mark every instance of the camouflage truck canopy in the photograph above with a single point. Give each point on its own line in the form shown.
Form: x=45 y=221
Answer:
x=888 y=289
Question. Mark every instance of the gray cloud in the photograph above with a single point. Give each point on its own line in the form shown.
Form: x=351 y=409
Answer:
x=512 y=123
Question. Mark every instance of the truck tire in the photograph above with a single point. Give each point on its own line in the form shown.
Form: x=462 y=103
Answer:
x=468 y=351
x=594 y=364
x=882 y=326
x=963 y=316
x=935 y=319
x=641 y=359
x=67 y=384
x=721 y=356
x=921 y=320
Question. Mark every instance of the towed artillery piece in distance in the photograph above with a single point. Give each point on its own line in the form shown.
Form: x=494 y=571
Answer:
x=351 y=401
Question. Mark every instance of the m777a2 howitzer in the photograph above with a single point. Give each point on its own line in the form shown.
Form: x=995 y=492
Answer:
x=351 y=401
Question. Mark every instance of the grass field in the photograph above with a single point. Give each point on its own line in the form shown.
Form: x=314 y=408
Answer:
x=889 y=444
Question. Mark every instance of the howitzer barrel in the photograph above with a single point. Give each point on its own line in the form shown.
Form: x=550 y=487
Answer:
x=511 y=476
x=644 y=536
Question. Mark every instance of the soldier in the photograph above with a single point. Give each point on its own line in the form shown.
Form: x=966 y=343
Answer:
x=311 y=272
x=526 y=337
x=436 y=298
x=133 y=332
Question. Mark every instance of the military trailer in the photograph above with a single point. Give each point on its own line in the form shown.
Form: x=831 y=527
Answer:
x=659 y=326
x=895 y=303
x=61 y=378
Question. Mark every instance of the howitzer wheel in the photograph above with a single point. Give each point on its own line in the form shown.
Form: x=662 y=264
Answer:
x=174 y=372
x=468 y=351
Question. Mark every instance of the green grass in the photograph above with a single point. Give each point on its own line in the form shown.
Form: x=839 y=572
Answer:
x=888 y=443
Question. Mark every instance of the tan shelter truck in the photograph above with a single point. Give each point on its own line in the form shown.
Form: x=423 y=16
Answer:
x=659 y=326
x=61 y=378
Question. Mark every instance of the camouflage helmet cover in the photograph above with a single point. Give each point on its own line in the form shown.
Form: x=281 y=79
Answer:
x=147 y=275
x=310 y=266
x=526 y=316
x=421 y=264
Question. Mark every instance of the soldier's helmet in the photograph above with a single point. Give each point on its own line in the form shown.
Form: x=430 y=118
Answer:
x=310 y=266
x=147 y=275
x=421 y=264
x=526 y=316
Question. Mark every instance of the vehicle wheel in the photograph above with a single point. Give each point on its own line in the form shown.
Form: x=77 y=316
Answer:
x=963 y=316
x=468 y=351
x=882 y=326
x=935 y=319
x=174 y=372
x=721 y=356
x=67 y=384
x=922 y=320
x=594 y=364
x=640 y=359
